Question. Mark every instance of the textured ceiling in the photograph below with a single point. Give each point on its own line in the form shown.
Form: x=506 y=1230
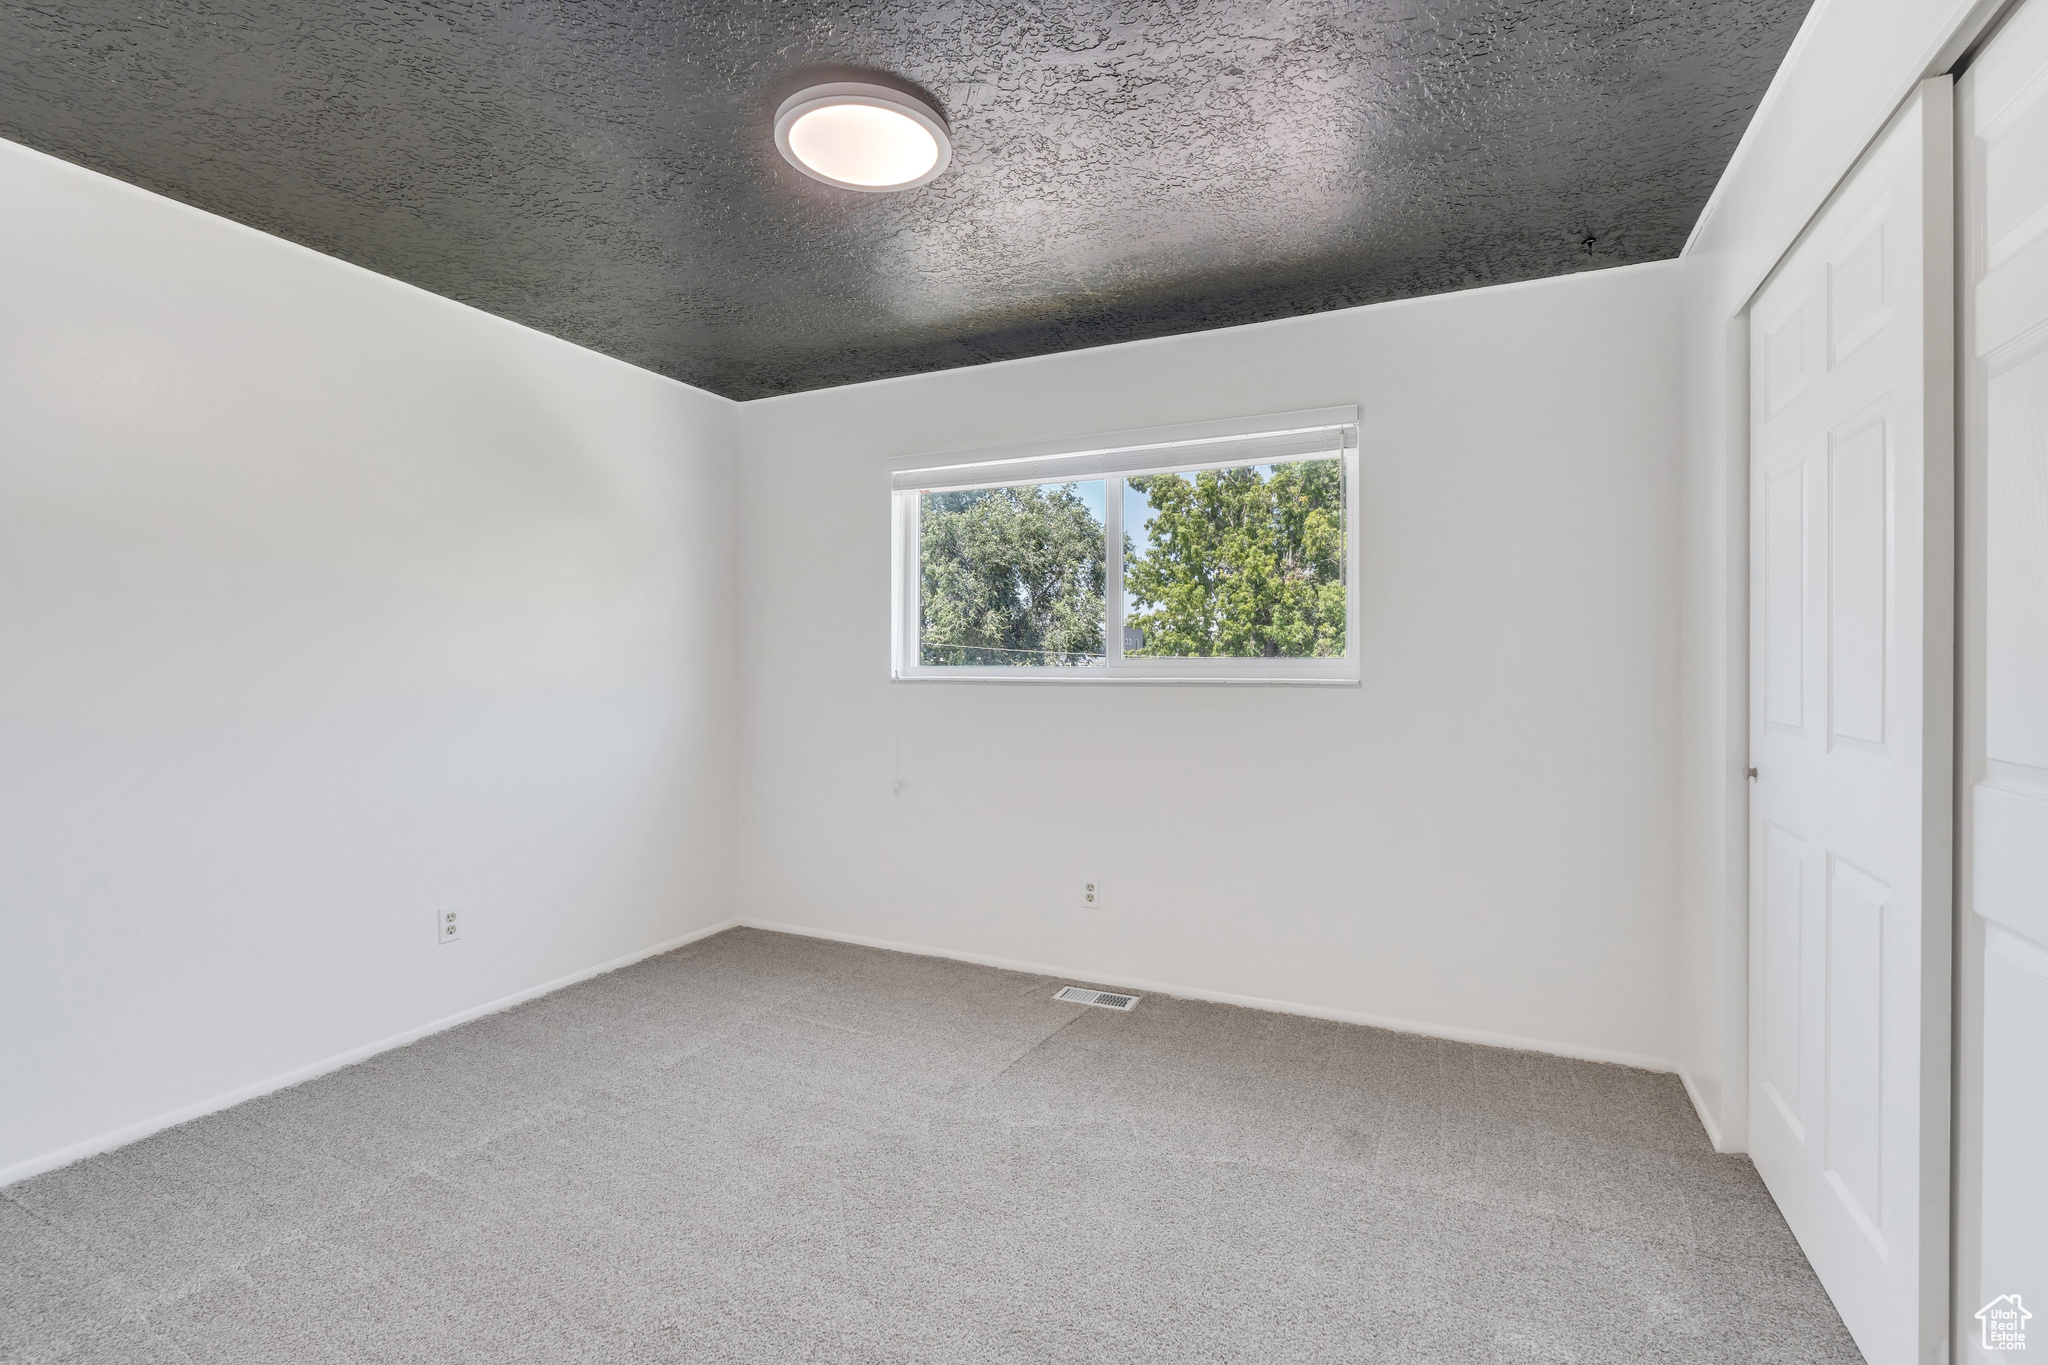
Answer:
x=606 y=171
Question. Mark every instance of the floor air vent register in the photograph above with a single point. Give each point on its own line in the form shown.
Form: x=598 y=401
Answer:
x=1109 y=1000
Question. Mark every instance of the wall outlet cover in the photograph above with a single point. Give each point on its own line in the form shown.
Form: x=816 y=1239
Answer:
x=1091 y=892
x=447 y=928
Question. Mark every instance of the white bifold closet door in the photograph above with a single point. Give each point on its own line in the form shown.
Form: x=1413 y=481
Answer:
x=1852 y=650
x=2002 y=977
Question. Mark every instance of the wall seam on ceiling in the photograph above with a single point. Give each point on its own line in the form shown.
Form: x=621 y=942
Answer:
x=1745 y=146
x=1298 y=319
x=273 y=238
x=1971 y=19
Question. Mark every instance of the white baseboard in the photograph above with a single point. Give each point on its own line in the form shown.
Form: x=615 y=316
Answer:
x=121 y=1137
x=1699 y=1105
x=1132 y=983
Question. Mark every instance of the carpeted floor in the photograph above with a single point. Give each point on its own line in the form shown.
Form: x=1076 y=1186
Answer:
x=771 y=1149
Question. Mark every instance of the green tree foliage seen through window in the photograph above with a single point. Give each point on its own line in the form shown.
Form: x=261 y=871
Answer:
x=1011 y=576
x=1240 y=563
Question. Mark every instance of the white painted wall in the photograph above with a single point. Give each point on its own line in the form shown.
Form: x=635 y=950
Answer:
x=1853 y=64
x=325 y=604
x=1480 y=841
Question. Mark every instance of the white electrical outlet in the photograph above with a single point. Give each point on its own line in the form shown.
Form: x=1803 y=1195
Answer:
x=448 y=928
x=1091 y=893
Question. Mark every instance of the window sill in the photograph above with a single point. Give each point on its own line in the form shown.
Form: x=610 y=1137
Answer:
x=1079 y=679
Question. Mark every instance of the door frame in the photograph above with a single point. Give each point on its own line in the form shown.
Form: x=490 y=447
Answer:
x=1971 y=937
x=1724 y=1115
x=1973 y=28
x=1940 y=437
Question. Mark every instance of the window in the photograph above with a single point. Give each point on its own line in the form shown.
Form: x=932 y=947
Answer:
x=1223 y=552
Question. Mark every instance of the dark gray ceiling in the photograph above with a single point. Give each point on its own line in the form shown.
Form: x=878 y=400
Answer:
x=606 y=171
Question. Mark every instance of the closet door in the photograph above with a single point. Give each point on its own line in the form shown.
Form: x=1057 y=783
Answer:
x=1852 y=618
x=2002 y=1112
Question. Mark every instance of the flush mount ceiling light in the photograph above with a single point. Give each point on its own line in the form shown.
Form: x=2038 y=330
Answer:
x=863 y=137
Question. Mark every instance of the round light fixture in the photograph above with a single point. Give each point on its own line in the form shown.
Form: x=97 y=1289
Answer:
x=863 y=137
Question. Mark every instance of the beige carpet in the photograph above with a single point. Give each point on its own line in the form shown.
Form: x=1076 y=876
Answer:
x=770 y=1149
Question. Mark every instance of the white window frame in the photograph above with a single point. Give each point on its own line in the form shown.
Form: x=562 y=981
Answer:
x=1286 y=437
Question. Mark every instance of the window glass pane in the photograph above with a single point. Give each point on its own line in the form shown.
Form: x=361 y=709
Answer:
x=1012 y=577
x=1245 y=562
